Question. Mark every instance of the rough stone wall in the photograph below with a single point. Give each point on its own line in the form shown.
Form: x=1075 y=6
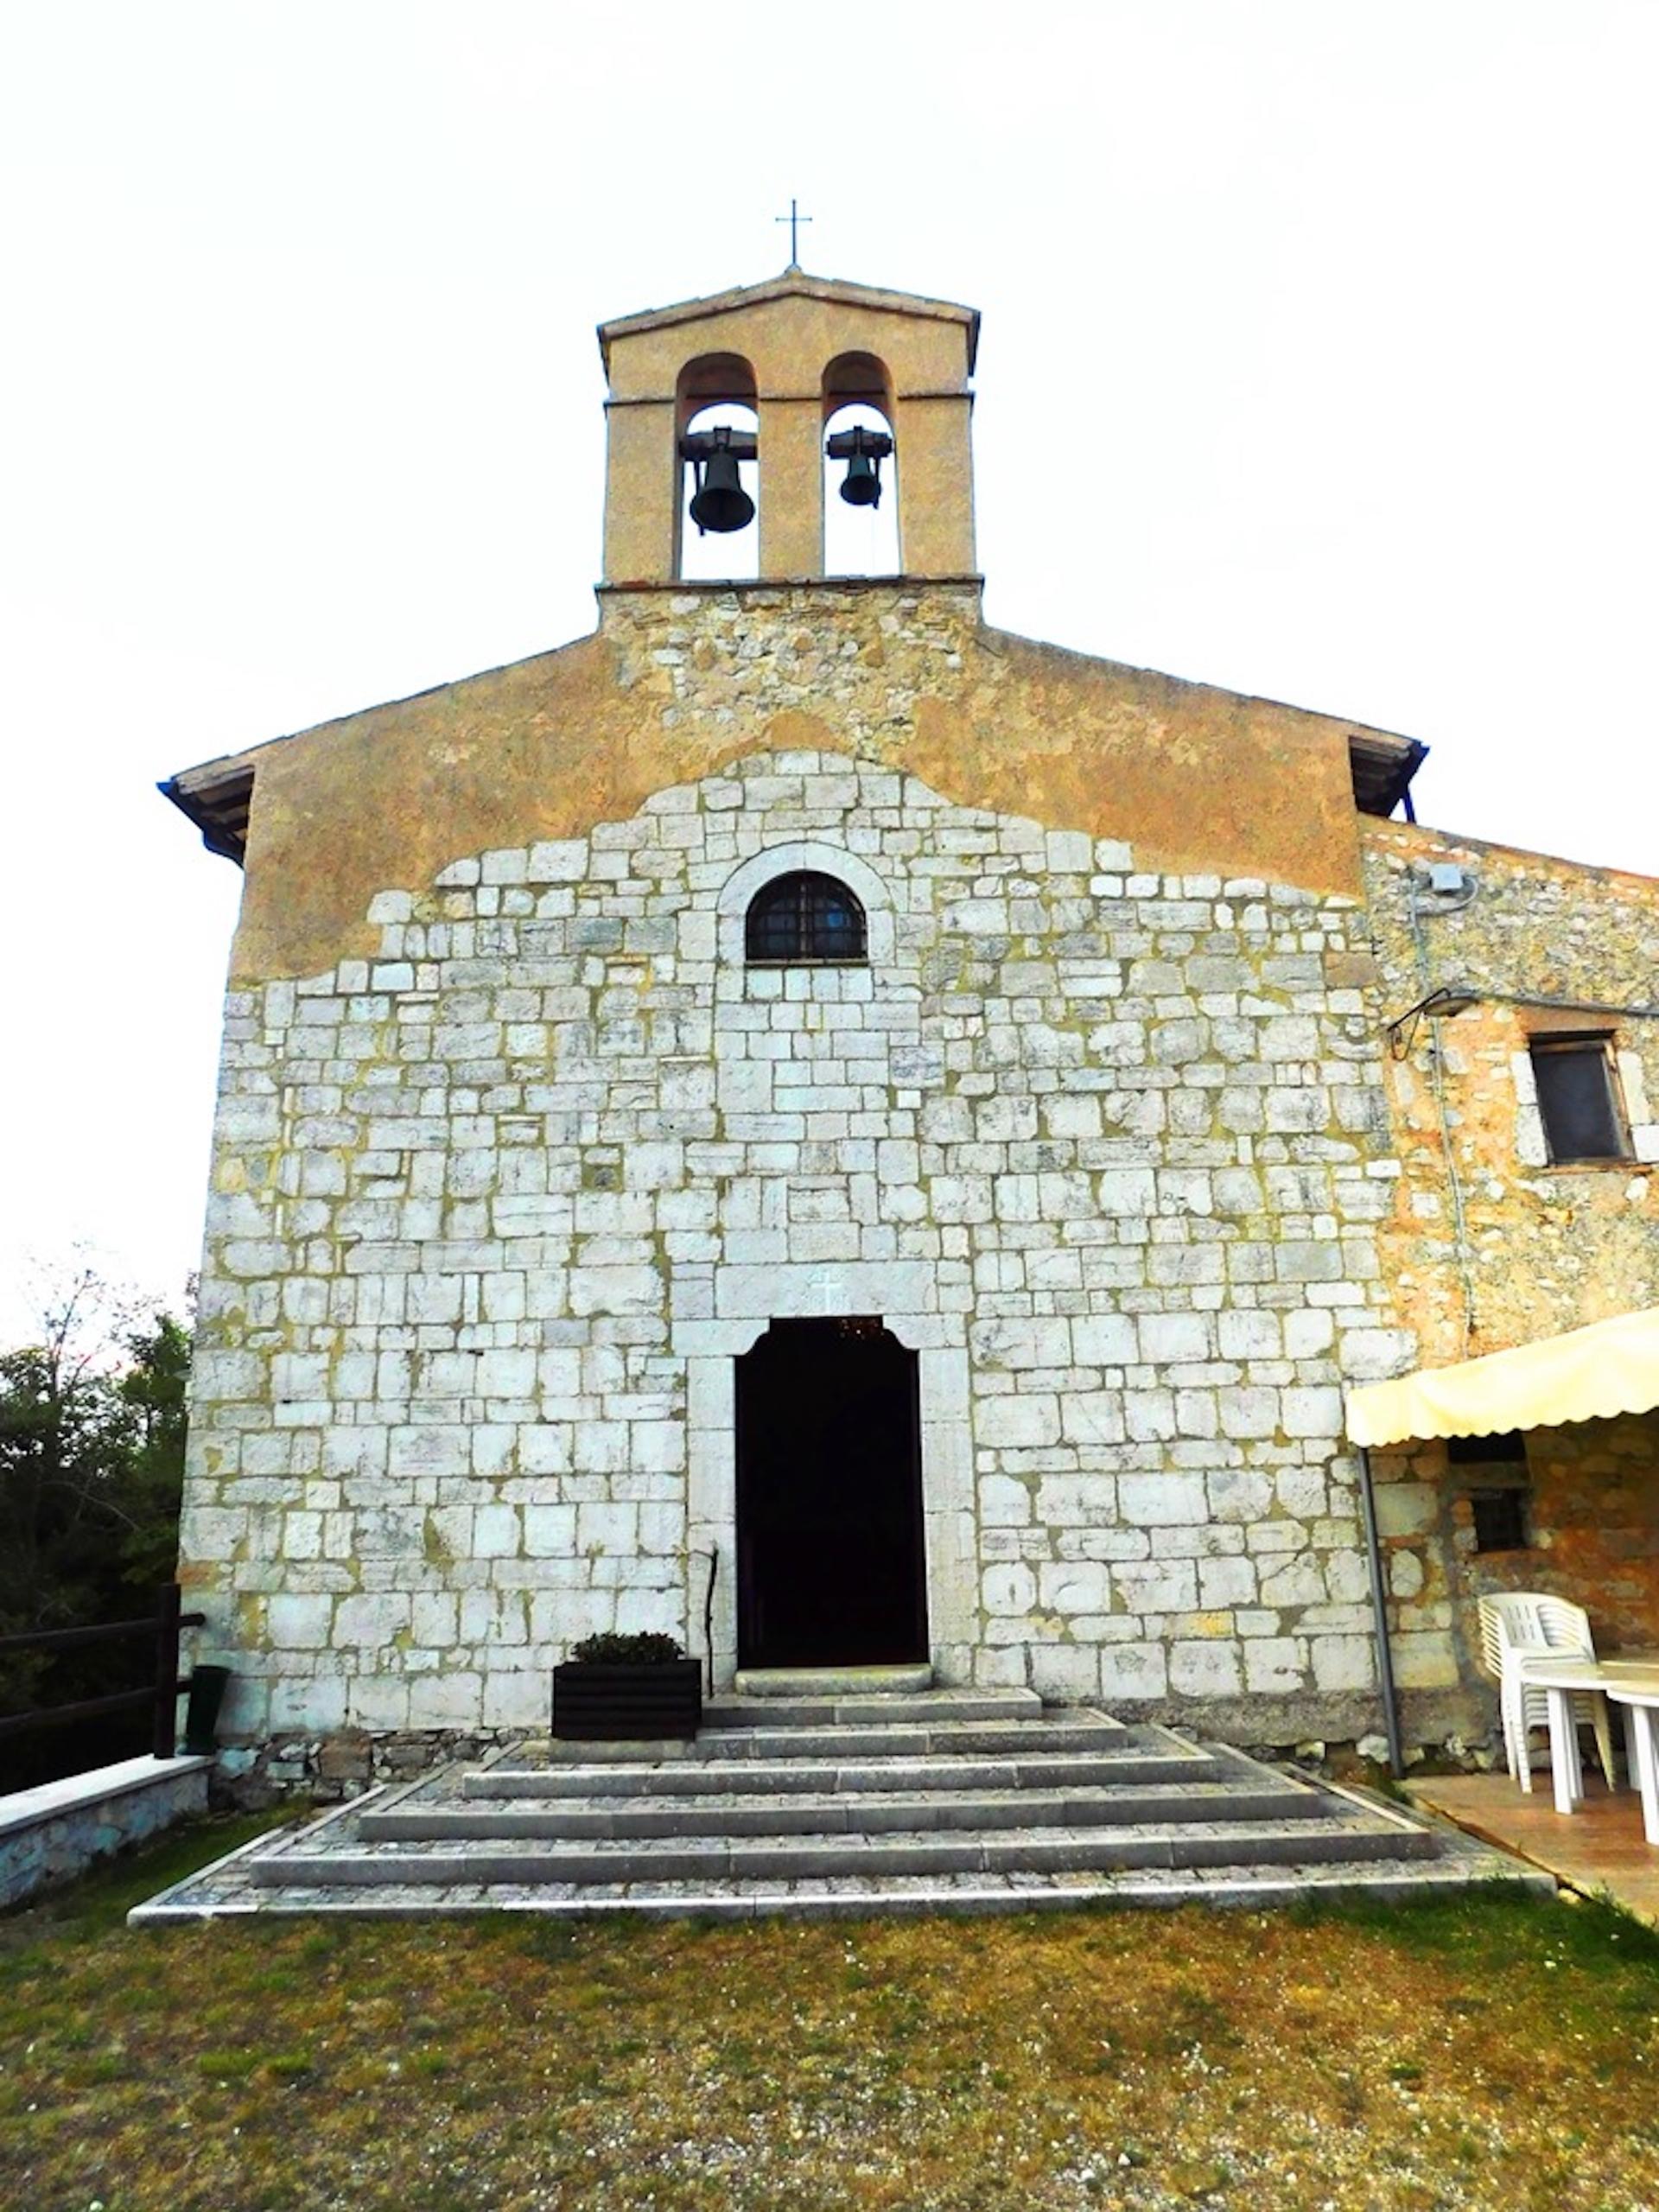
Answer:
x=1542 y=1247
x=494 y=1208
x=1592 y=1512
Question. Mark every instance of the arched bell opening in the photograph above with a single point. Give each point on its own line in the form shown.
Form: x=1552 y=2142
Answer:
x=717 y=438
x=862 y=535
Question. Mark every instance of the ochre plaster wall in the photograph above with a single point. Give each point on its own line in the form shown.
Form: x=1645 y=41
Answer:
x=1543 y=1249
x=789 y=341
x=677 y=683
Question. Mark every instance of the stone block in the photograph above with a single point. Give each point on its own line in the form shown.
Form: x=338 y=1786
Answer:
x=1169 y=1338
x=1247 y=1414
x=1104 y=1340
x=1003 y=1502
x=299 y=1624
x=497 y=1532
x=1296 y=1579
x=1017 y=1420
x=1223 y=1583
x=347 y=1755
x=1020 y=1342
x=1239 y=1494
x=1126 y=1190
x=1066 y=1673
x=1157 y=1586
x=1343 y=1662
x=1009 y=1589
x=1074 y=1586
x=1409 y=1509
x=1204 y=1669
x=1150 y=1416
x=1162 y=1500
x=371 y=1621
x=1275 y=1666
x=448 y=1698
x=1312 y=1412
x=1091 y=1417
x=1133 y=1672
x=1308 y=1331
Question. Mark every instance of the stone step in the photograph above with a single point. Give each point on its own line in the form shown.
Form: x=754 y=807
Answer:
x=1347 y=1836
x=1388 y=1881
x=779 y=1709
x=843 y=1817
x=228 y=1890
x=690 y=1777
x=855 y=1813
x=864 y=1740
x=831 y=1681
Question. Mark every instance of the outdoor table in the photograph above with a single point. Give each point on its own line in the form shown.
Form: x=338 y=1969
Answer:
x=1636 y=1688
x=1632 y=1683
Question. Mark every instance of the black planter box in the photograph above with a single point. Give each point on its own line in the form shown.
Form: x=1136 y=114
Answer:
x=596 y=1701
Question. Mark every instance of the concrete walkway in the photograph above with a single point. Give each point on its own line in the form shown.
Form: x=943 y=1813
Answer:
x=1598 y=1848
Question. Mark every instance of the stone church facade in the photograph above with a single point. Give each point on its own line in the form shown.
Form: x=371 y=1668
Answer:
x=982 y=1294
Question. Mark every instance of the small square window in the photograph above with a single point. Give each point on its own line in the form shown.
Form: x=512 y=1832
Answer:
x=1500 y=1520
x=1578 y=1098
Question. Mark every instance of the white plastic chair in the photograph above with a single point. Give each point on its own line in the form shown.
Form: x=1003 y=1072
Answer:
x=1526 y=1623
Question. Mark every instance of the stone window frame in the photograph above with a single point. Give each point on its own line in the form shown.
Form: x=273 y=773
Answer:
x=745 y=1301
x=1599 y=1046
x=1627 y=1077
x=806 y=857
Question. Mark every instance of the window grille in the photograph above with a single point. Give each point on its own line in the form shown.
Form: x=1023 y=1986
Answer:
x=802 y=918
x=1500 y=1520
x=1578 y=1098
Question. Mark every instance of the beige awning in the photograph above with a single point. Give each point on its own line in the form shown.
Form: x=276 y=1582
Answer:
x=1587 y=1375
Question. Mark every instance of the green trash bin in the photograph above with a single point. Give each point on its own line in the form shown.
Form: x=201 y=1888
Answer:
x=201 y=1714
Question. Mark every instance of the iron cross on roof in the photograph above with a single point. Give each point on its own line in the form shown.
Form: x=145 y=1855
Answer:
x=794 y=221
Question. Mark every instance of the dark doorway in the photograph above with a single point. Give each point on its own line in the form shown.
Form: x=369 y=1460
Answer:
x=829 y=1561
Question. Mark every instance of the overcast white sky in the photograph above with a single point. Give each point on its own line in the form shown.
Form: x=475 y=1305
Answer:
x=1342 y=315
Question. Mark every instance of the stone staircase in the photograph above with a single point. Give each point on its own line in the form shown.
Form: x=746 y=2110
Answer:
x=847 y=1802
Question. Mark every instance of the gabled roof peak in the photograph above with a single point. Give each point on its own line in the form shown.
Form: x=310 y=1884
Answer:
x=793 y=283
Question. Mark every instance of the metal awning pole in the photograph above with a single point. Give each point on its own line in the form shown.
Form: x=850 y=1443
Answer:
x=1380 y=1610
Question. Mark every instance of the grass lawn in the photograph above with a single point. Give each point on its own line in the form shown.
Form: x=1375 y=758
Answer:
x=1492 y=2052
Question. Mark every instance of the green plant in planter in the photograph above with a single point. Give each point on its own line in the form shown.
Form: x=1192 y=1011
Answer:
x=622 y=1687
x=645 y=1649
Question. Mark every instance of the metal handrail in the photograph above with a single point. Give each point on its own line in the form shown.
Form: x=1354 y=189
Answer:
x=163 y=1691
x=709 y=1617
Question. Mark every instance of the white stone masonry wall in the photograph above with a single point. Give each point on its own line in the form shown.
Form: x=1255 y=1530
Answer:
x=493 y=1213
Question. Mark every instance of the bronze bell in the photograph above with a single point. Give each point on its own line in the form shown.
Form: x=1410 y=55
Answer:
x=863 y=451
x=719 y=502
x=862 y=487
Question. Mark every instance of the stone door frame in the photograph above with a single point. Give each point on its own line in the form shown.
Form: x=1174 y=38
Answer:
x=746 y=1301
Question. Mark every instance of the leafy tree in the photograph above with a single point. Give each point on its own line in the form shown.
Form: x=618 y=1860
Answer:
x=91 y=1459
x=153 y=1389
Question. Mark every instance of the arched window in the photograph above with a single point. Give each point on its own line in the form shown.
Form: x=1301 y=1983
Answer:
x=804 y=916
